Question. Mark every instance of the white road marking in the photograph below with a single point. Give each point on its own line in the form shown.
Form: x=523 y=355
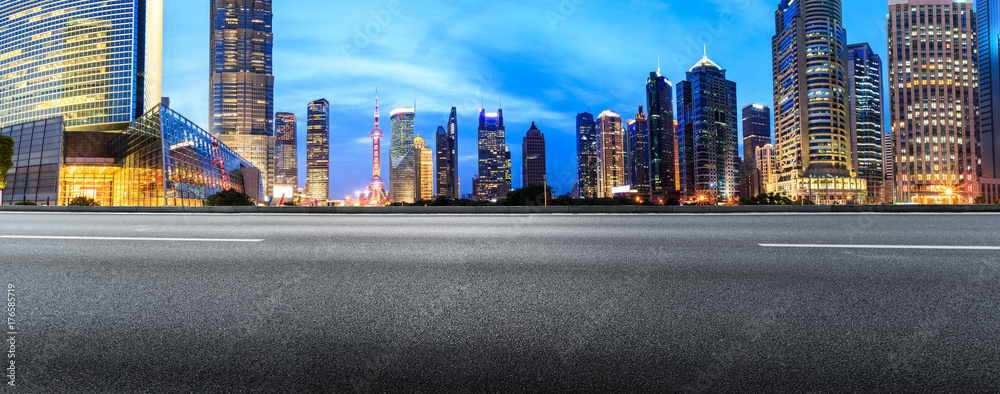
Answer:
x=129 y=239
x=932 y=247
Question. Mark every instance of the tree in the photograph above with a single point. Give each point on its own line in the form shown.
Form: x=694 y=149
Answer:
x=228 y=198
x=6 y=158
x=84 y=201
x=773 y=199
x=531 y=195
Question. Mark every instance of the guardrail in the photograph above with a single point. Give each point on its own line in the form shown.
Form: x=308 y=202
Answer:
x=690 y=209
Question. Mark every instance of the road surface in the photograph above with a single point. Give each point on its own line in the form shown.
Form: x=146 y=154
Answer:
x=480 y=303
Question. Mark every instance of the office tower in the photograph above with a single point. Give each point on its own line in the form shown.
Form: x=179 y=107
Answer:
x=533 y=158
x=286 y=164
x=241 y=80
x=376 y=189
x=447 y=158
x=709 y=146
x=889 y=184
x=811 y=107
x=586 y=155
x=989 y=95
x=318 y=152
x=933 y=100
x=765 y=164
x=402 y=172
x=664 y=182
x=424 y=183
x=756 y=129
x=756 y=133
x=637 y=154
x=75 y=107
x=610 y=153
x=864 y=95
x=494 y=157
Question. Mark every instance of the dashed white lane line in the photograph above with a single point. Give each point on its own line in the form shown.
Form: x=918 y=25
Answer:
x=924 y=247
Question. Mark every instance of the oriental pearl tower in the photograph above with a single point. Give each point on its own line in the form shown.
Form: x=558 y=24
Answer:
x=376 y=189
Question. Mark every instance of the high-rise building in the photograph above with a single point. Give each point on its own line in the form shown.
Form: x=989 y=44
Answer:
x=241 y=80
x=864 y=95
x=709 y=145
x=610 y=153
x=988 y=15
x=494 y=157
x=423 y=185
x=586 y=155
x=933 y=100
x=637 y=154
x=402 y=172
x=756 y=133
x=73 y=76
x=286 y=164
x=533 y=158
x=318 y=152
x=447 y=158
x=811 y=106
x=665 y=180
x=376 y=188
x=765 y=163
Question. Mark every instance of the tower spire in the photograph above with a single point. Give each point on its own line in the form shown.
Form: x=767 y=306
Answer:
x=376 y=106
x=657 y=63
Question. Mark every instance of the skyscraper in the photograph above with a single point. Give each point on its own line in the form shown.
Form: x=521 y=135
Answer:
x=934 y=100
x=447 y=158
x=241 y=80
x=318 y=152
x=424 y=183
x=533 y=158
x=376 y=188
x=864 y=95
x=637 y=154
x=706 y=117
x=494 y=157
x=811 y=106
x=664 y=182
x=989 y=94
x=74 y=75
x=402 y=172
x=586 y=155
x=756 y=133
x=286 y=164
x=610 y=153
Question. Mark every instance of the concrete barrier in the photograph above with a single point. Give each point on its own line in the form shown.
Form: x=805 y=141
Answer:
x=495 y=210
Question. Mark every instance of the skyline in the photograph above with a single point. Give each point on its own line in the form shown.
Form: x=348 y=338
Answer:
x=543 y=71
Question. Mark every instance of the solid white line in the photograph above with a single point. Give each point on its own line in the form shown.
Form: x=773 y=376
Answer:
x=129 y=238
x=881 y=246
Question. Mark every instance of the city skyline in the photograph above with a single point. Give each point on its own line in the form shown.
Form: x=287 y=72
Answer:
x=528 y=86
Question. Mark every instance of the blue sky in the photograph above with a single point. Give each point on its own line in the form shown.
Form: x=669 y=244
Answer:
x=547 y=60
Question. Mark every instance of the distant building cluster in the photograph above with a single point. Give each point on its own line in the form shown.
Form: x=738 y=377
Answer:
x=80 y=95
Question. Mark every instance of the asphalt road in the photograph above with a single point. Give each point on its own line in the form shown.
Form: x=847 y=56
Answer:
x=581 y=303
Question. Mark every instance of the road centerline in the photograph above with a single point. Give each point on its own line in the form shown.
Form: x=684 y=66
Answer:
x=71 y=238
x=921 y=247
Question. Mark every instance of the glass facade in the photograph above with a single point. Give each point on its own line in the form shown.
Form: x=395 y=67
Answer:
x=586 y=155
x=37 y=160
x=610 y=154
x=94 y=63
x=988 y=14
x=494 y=157
x=401 y=170
x=242 y=80
x=167 y=160
x=318 y=152
x=447 y=158
x=637 y=153
x=707 y=126
x=286 y=164
x=533 y=157
x=665 y=180
x=864 y=91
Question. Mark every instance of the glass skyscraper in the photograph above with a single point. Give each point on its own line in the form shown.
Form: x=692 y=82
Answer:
x=988 y=14
x=494 y=157
x=447 y=158
x=286 y=163
x=318 y=152
x=664 y=182
x=637 y=154
x=811 y=106
x=402 y=171
x=864 y=93
x=709 y=145
x=241 y=80
x=533 y=157
x=95 y=64
x=756 y=133
x=586 y=155
x=610 y=154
